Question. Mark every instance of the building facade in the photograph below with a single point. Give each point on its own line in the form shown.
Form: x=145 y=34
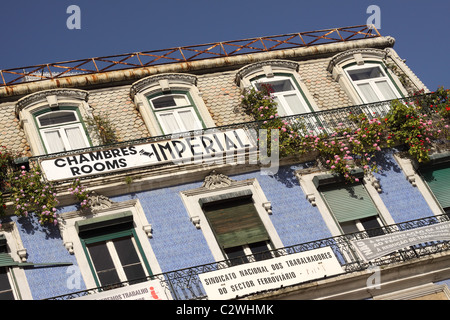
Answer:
x=162 y=187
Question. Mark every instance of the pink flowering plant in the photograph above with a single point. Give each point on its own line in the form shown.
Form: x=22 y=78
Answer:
x=80 y=192
x=30 y=194
x=356 y=144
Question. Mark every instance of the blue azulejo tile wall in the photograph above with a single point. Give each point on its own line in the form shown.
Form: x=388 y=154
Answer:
x=178 y=244
x=403 y=201
x=45 y=245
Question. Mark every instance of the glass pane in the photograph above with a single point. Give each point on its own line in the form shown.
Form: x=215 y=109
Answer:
x=386 y=90
x=76 y=138
x=189 y=120
x=372 y=226
x=54 y=141
x=169 y=123
x=103 y=263
x=169 y=101
x=236 y=255
x=278 y=85
x=258 y=248
x=53 y=118
x=280 y=108
x=368 y=94
x=129 y=258
x=365 y=73
x=349 y=227
x=4 y=281
x=295 y=103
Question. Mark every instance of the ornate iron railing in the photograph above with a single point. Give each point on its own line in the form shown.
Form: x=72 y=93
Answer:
x=57 y=70
x=185 y=284
x=325 y=121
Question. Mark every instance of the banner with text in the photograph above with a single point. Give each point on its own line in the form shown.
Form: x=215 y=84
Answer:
x=270 y=274
x=149 y=290
x=215 y=147
x=375 y=247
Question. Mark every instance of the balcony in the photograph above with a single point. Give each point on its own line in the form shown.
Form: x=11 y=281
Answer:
x=185 y=284
x=320 y=122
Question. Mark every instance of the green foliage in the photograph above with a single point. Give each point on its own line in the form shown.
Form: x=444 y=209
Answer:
x=30 y=193
x=104 y=128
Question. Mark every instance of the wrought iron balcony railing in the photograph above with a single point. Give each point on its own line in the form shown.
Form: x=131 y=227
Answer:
x=185 y=284
x=325 y=121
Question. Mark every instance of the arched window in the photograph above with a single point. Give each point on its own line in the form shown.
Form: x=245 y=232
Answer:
x=175 y=112
x=61 y=131
x=53 y=120
x=282 y=78
x=286 y=94
x=171 y=103
x=364 y=76
x=372 y=82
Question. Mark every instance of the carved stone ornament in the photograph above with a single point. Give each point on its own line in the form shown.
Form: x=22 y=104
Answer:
x=98 y=201
x=30 y=99
x=216 y=180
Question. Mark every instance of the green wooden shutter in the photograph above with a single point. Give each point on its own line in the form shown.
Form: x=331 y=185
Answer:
x=235 y=222
x=438 y=180
x=349 y=203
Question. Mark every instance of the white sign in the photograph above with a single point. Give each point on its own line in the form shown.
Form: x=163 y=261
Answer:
x=149 y=290
x=375 y=247
x=270 y=274
x=214 y=147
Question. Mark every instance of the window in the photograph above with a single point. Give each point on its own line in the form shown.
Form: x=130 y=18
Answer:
x=352 y=207
x=238 y=228
x=175 y=113
x=287 y=96
x=437 y=179
x=6 y=291
x=372 y=83
x=61 y=131
x=171 y=103
x=113 y=250
x=53 y=120
x=234 y=217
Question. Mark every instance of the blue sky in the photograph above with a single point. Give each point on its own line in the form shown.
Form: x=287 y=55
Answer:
x=35 y=32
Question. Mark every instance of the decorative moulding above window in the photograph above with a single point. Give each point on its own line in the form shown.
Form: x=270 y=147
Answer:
x=356 y=55
x=163 y=82
x=266 y=67
x=51 y=97
x=216 y=180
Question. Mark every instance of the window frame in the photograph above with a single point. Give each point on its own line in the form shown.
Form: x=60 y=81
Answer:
x=32 y=105
x=168 y=83
x=16 y=275
x=356 y=224
x=79 y=123
x=410 y=168
x=297 y=90
x=112 y=251
x=175 y=111
x=191 y=200
x=244 y=247
x=312 y=194
x=67 y=223
x=386 y=77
